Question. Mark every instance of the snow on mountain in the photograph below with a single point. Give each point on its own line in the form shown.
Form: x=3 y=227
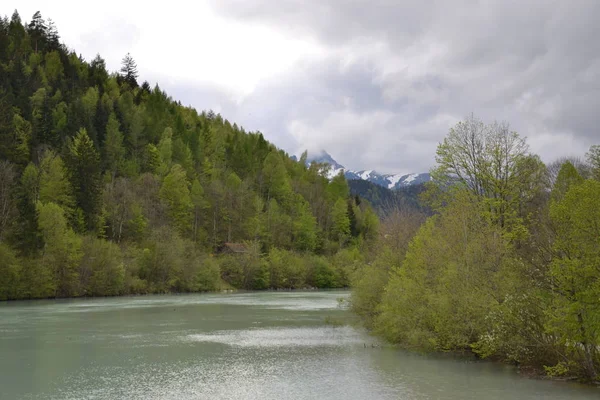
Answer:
x=410 y=178
x=332 y=173
x=394 y=179
x=390 y=181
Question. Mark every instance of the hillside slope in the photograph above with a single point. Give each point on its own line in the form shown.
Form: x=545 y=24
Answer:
x=110 y=186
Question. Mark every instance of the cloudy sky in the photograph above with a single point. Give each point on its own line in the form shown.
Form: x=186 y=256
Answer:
x=376 y=83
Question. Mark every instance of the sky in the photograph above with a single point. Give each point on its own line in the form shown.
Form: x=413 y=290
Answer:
x=376 y=83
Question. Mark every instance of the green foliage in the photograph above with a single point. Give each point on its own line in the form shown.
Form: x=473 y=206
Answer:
x=340 y=230
x=101 y=271
x=62 y=250
x=368 y=284
x=22 y=139
x=286 y=269
x=201 y=274
x=457 y=257
x=507 y=268
x=114 y=188
x=492 y=162
x=175 y=192
x=276 y=180
x=575 y=312
x=54 y=68
x=10 y=273
x=54 y=185
x=8 y=209
x=338 y=188
x=305 y=228
x=85 y=174
x=162 y=261
x=593 y=158
x=247 y=270
x=113 y=146
x=567 y=177
x=321 y=274
x=165 y=150
x=152 y=158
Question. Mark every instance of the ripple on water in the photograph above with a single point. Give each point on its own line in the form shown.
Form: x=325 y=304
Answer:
x=281 y=337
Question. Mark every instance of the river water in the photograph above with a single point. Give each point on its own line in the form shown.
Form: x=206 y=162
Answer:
x=268 y=345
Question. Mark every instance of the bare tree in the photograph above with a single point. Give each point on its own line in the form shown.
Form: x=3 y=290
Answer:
x=489 y=160
x=118 y=200
x=398 y=227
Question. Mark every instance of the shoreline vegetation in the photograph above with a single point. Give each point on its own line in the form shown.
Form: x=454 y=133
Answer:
x=110 y=187
x=507 y=265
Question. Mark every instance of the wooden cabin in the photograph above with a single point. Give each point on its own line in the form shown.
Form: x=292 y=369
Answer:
x=233 y=248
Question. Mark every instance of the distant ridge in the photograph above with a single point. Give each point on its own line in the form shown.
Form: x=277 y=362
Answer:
x=389 y=181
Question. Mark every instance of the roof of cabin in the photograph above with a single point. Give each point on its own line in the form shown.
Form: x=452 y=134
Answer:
x=236 y=247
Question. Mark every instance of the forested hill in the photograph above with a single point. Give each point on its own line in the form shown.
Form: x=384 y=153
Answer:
x=385 y=200
x=109 y=186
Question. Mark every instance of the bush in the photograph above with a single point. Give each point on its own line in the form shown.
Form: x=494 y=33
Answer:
x=346 y=262
x=101 y=272
x=287 y=270
x=245 y=271
x=162 y=260
x=10 y=274
x=322 y=274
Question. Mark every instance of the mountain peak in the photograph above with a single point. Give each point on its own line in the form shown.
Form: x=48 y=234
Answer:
x=324 y=157
x=390 y=181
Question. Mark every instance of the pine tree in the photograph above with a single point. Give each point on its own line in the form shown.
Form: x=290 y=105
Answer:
x=54 y=184
x=98 y=73
x=7 y=142
x=53 y=36
x=37 y=29
x=85 y=174
x=129 y=70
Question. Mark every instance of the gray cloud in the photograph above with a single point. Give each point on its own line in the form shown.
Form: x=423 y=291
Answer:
x=398 y=75
x=387 y=79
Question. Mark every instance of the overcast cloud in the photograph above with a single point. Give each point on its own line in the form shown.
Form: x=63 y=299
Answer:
x=376 y=83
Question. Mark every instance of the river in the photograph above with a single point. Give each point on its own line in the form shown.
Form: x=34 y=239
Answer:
x=267 y=345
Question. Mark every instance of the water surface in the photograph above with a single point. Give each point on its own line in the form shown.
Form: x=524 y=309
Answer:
x=268 y=345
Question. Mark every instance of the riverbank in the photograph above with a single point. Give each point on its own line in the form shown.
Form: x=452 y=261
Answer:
x=168 y=265
x=228 y=290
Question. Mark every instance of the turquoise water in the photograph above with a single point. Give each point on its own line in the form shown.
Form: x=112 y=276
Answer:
x=267 y=345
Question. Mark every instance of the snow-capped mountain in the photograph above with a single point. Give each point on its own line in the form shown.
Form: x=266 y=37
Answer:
x=325 y=158
x=390 y=181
